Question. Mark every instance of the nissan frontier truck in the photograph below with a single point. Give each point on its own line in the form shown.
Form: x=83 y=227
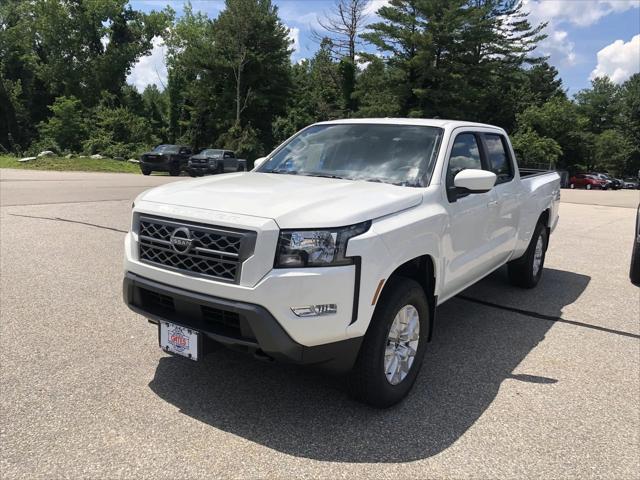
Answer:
x=336 y=249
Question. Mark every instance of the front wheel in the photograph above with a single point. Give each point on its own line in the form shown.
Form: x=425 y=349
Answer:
x=145 y=171
x=572 y=186
x=526 y=271
x=394 y=345
x=588 y=187
x=174 y=170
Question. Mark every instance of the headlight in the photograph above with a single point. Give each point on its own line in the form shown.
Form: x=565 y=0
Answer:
x=212 y=161
x=316 y=248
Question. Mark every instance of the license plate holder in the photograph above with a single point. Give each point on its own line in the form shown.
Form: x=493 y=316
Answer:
x=180 y=340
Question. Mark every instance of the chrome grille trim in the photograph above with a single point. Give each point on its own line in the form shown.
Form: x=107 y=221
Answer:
x=216 y=252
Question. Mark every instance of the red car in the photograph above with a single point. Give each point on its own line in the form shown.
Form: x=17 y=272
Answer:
x=587 y=181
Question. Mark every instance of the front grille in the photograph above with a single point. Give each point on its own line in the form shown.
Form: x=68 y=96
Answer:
x=213 y=252
x=153 y=158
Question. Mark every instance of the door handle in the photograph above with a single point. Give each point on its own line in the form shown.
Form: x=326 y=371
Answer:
x=492 y=203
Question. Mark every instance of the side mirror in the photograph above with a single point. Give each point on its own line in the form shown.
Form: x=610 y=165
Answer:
x=258 y=161
x=474 y=181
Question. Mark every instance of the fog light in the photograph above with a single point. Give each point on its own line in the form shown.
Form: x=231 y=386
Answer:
x=315 y=310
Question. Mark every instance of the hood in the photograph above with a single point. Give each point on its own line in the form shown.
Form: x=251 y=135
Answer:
x=156 y=154
x=292 y=201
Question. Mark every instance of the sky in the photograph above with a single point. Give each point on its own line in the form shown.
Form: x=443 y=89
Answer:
x=586 y=38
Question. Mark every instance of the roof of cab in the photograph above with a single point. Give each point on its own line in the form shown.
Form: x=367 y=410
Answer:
x=427 y=122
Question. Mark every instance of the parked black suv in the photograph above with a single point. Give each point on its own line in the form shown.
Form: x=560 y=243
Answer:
x=165 y=158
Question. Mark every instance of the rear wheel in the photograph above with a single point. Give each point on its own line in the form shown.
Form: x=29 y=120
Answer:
x=526 y=271
x=394 y=345
x=572 y=186
x=588 y=187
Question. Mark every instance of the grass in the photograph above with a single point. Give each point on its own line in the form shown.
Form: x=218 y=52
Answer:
x=71 y=164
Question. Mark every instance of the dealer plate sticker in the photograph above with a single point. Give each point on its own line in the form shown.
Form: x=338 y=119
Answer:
x=179 y=340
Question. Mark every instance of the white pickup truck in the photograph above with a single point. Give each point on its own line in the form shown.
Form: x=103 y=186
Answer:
x=337 y=248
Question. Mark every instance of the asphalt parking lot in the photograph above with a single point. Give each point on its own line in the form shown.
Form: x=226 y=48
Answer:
x=542 y=383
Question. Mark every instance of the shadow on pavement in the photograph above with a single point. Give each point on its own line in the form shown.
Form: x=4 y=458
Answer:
x=304 y=413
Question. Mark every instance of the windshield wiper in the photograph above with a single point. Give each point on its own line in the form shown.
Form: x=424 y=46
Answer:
x=398 y=184
x=282 y=171
x=324 y=175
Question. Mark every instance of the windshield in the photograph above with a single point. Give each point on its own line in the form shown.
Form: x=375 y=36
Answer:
x=166 y=149
x=397 y=154
x=210 y=152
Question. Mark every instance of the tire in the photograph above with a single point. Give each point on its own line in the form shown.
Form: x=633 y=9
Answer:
x=192 y=173
x=145 y=171
x=220 y=168
x=368 y=379
x=572 y=186
x=174 y=170
x=588 y=187
x=523 y=271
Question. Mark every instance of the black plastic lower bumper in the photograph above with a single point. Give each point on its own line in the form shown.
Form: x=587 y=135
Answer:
x=240 y=325
x=161 y=166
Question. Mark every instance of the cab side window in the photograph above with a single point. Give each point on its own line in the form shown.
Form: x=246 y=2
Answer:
x=499 y=159
x=464 y=154
x=228 y=155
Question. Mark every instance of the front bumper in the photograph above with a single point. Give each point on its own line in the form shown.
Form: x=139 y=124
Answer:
x=201 y=168
x=240 y=325
x=162 y=165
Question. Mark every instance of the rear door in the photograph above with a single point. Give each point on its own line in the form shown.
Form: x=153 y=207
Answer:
x=466 y=244
x=504 y=209
x=230 y=162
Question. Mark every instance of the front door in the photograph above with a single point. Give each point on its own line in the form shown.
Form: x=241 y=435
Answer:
x=466 y=242
x=505 y=211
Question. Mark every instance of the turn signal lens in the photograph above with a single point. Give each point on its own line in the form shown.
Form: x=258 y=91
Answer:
x=315 y=310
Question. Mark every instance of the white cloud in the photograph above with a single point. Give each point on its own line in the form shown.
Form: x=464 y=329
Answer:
x=619 y=60
x=375 y=5
x=294 y=36
x=578 y=12
x=559 y=48
x=150 y=69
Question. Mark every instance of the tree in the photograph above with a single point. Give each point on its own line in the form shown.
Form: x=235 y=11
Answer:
x=458 y=58
x=117 y=131
x=559 y=119
x=611 y=151
x=600 y=104
x=233 y=71
x=342 y=27
x=66 y=128
x=316 y=94
x=542 y=84
x=375 y=92
x=399 y=35
x=629 y=122
x=51 y=49
x=534 y=150
x=253 y=48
